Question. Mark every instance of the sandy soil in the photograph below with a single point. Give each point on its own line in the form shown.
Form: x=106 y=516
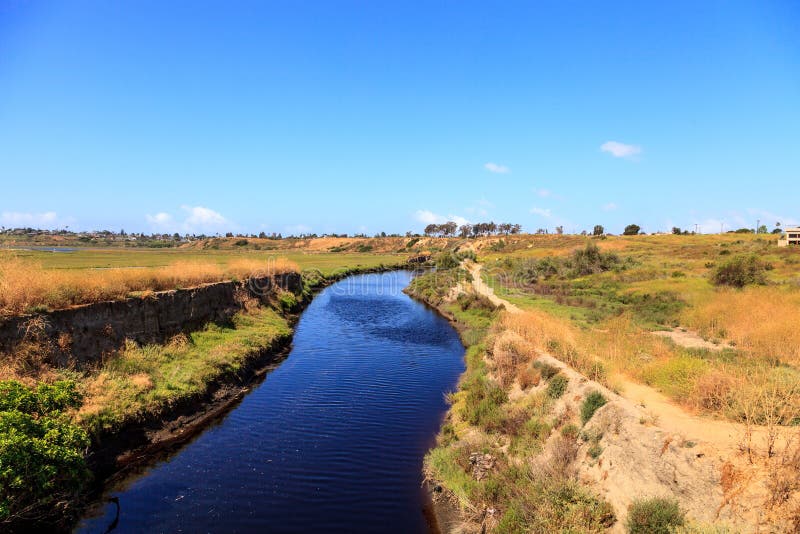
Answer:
x=691 y=340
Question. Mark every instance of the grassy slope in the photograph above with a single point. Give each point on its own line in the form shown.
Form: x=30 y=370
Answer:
x=143 y=381
x=482 y=419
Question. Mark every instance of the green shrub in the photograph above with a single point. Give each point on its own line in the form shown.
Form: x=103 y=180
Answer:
x=413 y=242
x=473 y=301
x=557 y=386
x=589 y=260
x=529 y=271
x=447 y=260
x=42 y=465
x=287 y=301
x=632 y=229
x=570 y=431
x=740 y=271
x=657 y=515
x=483 y=401
x=595 y=450
x=468 y=254
x=593 y=401
x=545 y=369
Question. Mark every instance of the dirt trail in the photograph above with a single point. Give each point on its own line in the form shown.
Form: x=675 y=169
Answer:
x=482 y=288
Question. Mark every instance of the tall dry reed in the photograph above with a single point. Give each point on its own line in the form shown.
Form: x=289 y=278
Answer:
x=26 y=285
x=761 y=321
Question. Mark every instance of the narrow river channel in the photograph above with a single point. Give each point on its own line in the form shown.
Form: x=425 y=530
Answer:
x=331 y=441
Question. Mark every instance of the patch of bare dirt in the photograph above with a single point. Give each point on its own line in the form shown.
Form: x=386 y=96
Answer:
x=691 y=340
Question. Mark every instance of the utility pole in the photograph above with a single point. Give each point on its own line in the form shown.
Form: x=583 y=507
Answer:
x=696 y=228
x=758 y=225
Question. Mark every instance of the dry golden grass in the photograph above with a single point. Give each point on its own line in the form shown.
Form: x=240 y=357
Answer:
x=619 y=347
x=25 y=285
x=761 y=321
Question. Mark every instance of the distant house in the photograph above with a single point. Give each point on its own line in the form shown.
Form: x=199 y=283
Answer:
x=791 y=236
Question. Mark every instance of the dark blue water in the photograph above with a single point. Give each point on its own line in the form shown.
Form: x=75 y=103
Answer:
x=331 y=441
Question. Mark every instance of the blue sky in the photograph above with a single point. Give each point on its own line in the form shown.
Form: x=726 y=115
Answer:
x=368 y=116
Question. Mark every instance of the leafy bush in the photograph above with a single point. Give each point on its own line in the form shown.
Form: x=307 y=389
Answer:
x=589 y=260
x=287 y=300
x=472 y=301
x=482 y=402
x=557 y=386
x=659 y=308
x=632 y=229
x=657 y=515
x=593 y=402
x=447 y=260
x=545 y=369
x=467 y=254
x=42 y=464
x=530 y=271
x=741 y=271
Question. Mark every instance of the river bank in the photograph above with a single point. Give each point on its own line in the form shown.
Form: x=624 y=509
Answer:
x=532 y=445
x=154 y=418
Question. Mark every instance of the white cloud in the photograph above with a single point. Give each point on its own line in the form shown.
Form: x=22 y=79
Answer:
x=428 y=217
x=496 y=168
x=609 y=207
x=160 y=220
x=620 y=150
x=542 y=212
x=544 y=193
x=201 y=217
x=47 y=219
x=197 y=219
x=459 y=220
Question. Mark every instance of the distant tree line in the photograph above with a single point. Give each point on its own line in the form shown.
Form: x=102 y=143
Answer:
x=451 y=228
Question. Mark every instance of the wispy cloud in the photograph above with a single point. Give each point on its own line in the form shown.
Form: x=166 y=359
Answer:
x=196 y=219
x=769 y=218
x=429 y=217
x=544 y=193
x=609 y=207
x=161 y=220
x=620 y=150
x=481 y=209
x=47 y=219
x=542 y=212
x=496 y=168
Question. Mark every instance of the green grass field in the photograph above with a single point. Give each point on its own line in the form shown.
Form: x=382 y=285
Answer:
x=104 y=258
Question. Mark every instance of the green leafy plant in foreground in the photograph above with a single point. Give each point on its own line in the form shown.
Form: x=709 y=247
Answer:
x=557 y=386
x=42 y=461
x=656 y=515
x=593 y=402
